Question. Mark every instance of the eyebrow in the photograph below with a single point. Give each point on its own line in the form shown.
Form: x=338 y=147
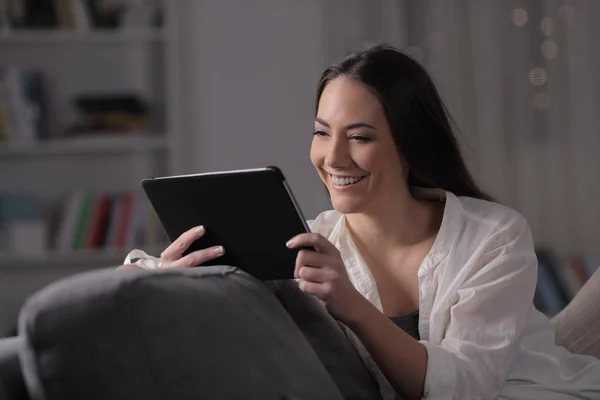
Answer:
x=354 y=125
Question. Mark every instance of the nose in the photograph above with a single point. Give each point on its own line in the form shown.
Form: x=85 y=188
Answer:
x=338 y=155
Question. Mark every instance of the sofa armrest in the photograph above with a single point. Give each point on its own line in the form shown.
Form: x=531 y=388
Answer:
x=175 y=333
x=578 y=324
x=12 y=386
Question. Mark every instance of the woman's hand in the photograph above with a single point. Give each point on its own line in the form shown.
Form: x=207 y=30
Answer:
x=323 y=274
x=172 y=257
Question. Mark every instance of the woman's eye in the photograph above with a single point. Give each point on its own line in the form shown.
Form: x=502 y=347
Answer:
x=362 y=139
x=320 y=133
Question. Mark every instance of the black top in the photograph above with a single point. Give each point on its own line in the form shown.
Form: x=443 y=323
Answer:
x=408 y=323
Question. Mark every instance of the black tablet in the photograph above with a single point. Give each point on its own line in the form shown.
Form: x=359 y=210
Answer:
x=252 y=213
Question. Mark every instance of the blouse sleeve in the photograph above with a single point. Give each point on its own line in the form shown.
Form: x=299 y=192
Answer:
x=142 y=259
x=487 y=321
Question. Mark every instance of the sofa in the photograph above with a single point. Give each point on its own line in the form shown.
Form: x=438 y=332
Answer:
x=201 y=333
x=139 y=334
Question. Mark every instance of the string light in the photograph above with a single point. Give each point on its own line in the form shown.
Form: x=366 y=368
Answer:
x=567 y=14
x=519 y=17
x=549 y=49
x=538 y=76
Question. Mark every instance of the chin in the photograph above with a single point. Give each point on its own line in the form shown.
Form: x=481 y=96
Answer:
x=347 y=206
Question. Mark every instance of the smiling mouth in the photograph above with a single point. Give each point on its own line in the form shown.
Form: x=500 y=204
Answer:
x=346 y=180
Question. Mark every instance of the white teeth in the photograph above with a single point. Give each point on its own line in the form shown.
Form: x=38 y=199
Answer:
x=343 y=181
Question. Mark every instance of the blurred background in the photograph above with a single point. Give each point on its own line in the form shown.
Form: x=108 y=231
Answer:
x=96 y=95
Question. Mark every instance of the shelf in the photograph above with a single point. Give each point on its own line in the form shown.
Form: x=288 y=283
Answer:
x=57 y=36
x=79 y=146
x=111 y=257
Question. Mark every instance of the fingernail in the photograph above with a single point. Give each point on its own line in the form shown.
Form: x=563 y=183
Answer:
x=200 y=229
x=219 y=250
x=290 y=243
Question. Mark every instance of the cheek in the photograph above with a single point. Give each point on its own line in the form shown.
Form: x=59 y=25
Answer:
x=369 y=158
x=381 y=160
x=397 y=166
x=316 y=154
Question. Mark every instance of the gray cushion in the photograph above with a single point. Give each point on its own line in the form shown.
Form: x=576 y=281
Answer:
x=11 y=381
x=328 y=338
x=201 y=333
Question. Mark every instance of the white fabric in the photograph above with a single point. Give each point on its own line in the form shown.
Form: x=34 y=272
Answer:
x=483 y=336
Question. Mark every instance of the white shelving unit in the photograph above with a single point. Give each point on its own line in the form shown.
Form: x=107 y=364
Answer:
x=80 y=146
x=79 y=259
x=61 y=37
x=135 y=60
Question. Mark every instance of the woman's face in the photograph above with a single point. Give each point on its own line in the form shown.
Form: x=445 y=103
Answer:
x=353 y=149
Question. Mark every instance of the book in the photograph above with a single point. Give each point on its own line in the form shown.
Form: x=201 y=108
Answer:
x=94 y=221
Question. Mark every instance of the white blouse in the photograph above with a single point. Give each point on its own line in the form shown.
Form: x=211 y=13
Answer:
x=484 y=338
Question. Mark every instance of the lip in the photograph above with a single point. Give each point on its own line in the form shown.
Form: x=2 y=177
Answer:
x=346 y=176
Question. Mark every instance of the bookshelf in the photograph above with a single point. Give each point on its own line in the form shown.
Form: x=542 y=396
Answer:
x=83 y=259
x=77 y=147
x=66 y=151
x=65 y=36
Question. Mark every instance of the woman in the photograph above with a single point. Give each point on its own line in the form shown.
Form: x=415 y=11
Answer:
x=435 y=279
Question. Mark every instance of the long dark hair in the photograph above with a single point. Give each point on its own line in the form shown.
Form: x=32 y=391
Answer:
x=420 y=123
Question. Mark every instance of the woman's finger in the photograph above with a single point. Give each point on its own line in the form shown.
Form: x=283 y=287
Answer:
x=317 y=275
x=314 y=240
x=197 y=257
x=183 y=242
x=321 y=290
x=312 y=259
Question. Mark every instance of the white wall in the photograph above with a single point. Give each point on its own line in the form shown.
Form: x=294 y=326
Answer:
x=249 y=73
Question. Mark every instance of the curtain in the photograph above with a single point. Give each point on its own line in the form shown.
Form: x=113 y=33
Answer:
x=520 y=79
